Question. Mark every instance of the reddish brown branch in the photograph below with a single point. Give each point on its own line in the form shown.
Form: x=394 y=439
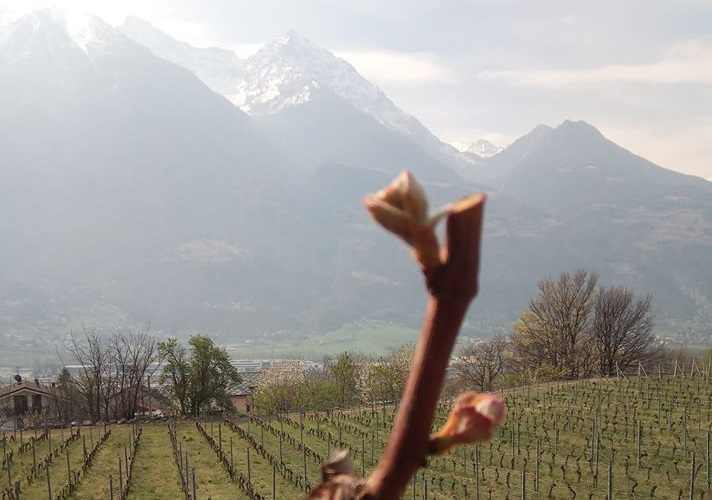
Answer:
x=452 y=287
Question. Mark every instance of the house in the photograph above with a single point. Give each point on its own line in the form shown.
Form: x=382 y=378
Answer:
x=151 y=403
x=240 y=398
x=22 y=398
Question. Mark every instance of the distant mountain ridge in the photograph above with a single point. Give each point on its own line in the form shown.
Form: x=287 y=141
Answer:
x=291 y=71
x=134 y=191
x=220 y=69
x=481 y=148
x=644 y=225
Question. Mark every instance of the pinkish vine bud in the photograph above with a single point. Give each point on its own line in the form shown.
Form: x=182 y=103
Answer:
x=402 y=209
x=472 y=420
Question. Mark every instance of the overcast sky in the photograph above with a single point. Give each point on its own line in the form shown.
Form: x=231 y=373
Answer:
x=640 y=70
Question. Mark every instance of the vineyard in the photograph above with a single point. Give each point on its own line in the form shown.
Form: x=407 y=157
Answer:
x=613 y=438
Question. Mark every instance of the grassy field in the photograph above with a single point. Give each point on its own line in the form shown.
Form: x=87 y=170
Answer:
x=640 y=438
x=374 y=339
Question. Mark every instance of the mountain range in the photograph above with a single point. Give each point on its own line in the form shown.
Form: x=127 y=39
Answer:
x=146 y=180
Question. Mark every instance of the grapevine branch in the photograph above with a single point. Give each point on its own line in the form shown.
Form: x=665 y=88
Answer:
x=452 y=287
x=451 y=274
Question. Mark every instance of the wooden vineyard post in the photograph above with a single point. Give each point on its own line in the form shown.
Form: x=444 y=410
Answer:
x=598 y=447
x=692 y=477
x=304 y=461
x=126 y=463
x=538 y=458
x=709 y=479
x=639 y=438
x=49 y=485
x=477 y=472
x=609 y=486
x=373 y=451
x=363 y=457
x=249 y=467
x=684 y=432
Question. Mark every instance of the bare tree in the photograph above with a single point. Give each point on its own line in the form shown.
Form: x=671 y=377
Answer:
x=622 y=329
x=134 y=356
x=551 y=333
x=112 y=372
x=69 y=401
x=92 y=356
x=480 y=363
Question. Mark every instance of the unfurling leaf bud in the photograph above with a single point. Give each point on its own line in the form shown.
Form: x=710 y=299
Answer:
x=402 y=209
x=472 y=420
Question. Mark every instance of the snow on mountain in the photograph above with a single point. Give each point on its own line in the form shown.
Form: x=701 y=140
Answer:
x=461 y=146
x=283 y=73
x=220 y=69
x=481 y=148
x=291 y=70
x=58 y=30
x=287 y=71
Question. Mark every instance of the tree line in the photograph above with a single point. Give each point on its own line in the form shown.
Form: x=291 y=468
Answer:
x=343 y=381
x=572 y=328
x=116 y=376
x=109 y=377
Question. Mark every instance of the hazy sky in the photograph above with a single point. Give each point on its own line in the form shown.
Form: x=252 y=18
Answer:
x=639 y=70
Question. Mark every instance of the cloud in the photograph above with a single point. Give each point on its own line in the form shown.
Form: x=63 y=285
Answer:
x=686 y=63
x=382 y=66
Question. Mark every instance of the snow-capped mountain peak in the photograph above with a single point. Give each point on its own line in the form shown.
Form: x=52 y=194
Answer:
x=295 y=41
x=59 y=29
x=86 y=30
x=481 y=148
x=288 y=70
